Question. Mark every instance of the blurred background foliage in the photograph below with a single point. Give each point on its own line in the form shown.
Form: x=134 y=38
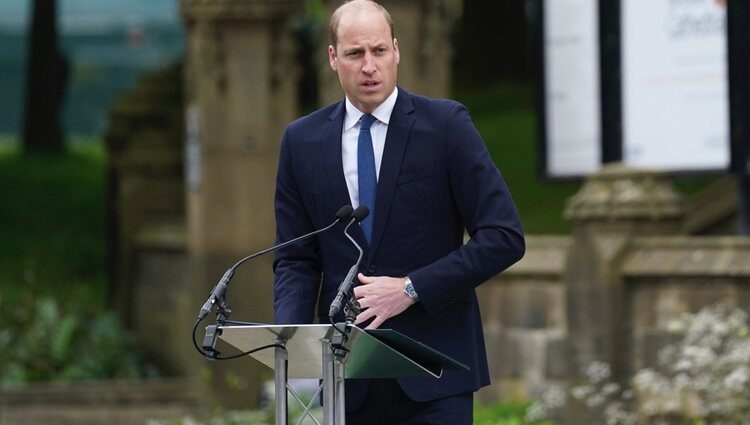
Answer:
x=52 y=292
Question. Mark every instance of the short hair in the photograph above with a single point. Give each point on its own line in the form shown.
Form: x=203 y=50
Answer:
x=333 y=25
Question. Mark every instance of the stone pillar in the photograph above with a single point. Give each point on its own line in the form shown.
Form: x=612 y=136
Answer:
x=144 y=176
x=614 y=206
x=423 y=29
x=240 y=93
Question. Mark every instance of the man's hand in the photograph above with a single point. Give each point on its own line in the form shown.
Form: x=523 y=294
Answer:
x=381 y=297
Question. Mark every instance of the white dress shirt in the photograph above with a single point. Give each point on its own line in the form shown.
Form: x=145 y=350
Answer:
x=350 y=136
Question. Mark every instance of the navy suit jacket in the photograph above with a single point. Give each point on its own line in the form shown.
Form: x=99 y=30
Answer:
x=436 y=181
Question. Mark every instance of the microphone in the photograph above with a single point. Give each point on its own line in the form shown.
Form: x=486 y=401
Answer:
x=358 y=215
x=344 y=213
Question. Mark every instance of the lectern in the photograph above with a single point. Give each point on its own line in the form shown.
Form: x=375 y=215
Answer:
x=320 y=351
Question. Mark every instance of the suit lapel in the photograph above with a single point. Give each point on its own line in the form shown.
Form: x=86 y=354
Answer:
x=330 y=144
x=396 y=140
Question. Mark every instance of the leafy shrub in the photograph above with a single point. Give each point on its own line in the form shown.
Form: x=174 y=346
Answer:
x=39 y=342
x=702 y=379
x=504 y=414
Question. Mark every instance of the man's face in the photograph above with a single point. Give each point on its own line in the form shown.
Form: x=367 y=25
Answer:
x=365 y=58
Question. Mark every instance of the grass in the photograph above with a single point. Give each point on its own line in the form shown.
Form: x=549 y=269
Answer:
x=502 y=414
x=52 y=224
x=504 y=115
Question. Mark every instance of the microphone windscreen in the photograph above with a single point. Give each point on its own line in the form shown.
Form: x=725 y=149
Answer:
x=344 y=213
x=360 y=213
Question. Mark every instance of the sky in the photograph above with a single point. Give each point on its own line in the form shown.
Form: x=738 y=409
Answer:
x=93 y=15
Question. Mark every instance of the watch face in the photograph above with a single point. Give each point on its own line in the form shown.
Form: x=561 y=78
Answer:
x=409 y=289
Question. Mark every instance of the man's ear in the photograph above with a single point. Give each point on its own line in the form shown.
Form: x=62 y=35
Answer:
x=332 y=59
x=395 y=50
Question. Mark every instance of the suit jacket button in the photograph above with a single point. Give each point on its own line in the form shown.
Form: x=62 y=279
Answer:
x=371 y=269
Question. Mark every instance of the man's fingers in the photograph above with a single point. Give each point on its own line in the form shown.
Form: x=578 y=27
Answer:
x=365 y=279
x=381 y=297
x=363 y=317
x=375 y=323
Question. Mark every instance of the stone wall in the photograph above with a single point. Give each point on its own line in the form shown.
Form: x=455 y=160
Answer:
x=667 y=277
x=608 y=292
x=524 y=315
x=97 y=403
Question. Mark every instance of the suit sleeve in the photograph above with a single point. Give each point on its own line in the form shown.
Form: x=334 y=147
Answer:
x=297 y=267
x=488 y=213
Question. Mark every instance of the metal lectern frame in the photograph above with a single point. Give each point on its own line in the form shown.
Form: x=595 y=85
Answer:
x=309 y=353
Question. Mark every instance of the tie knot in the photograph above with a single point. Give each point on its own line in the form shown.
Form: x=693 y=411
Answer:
x=366 y=121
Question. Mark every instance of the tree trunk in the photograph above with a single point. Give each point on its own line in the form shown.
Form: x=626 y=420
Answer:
x=46 y=76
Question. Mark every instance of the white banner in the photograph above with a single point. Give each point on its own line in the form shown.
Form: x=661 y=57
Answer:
x=674 y=76
x=572 y=87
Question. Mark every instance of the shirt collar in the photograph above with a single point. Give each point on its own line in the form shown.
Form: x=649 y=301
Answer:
x=382 y=112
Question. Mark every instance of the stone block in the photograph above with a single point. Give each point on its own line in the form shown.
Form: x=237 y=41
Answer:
x=489 y=295
x=659 y=301
x=587 y=308
x=161 y=291
x=555 y=364
x=647 y=347
x=743 y=294
x=503 y=354
x=532 y=354
x=545 y=257
x=522 y=303
x=688 y=256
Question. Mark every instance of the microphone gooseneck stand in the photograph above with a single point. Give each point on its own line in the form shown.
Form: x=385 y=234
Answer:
x=333 y=347
x=334 y=402
x=217 y=297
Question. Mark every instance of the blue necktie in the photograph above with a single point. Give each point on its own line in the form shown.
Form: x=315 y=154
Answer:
x=368 y=181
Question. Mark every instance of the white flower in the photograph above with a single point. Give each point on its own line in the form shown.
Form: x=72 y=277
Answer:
x=581 y=392
x=737 y=380
x=682 y=381
x=536 y=412
x=597 y=372
x=649 y=381
x=698 y=357
x=595 y=400
x=554 y=397
x=676 y=326
x=704 y=377
x=610 y=388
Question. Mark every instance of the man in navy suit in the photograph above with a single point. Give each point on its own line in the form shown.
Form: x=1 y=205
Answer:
x=424 y=171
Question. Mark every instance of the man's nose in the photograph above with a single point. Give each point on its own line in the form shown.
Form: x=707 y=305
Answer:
x=368 y=67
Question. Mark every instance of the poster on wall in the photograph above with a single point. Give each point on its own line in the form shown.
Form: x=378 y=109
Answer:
x=675 y=107
x=571 y=96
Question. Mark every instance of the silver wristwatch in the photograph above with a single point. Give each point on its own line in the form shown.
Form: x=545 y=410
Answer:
x=409 y=290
